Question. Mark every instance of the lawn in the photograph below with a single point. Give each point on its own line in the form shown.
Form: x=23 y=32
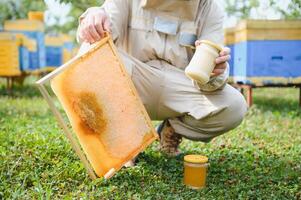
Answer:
x=261 y=159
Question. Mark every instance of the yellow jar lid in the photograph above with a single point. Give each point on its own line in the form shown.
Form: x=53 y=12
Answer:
x=199 y=159
x=218 y=47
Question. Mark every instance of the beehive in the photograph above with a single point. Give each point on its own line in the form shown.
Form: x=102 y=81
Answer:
x=36 y=15
x=9 y=55
x=67 y=55
x=27 y=46
x=268 y=52
x=54 y=52
x=229 y=41
x=33 y=29
x=28 y=53
x=103 y=107
x=75 y=51
x=67 y=47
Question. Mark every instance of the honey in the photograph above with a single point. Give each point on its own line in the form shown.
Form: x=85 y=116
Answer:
x=195 y=171
x=90 y=112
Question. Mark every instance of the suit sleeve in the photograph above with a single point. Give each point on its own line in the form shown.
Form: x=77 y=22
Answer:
x=118 y=13
x=213 y=30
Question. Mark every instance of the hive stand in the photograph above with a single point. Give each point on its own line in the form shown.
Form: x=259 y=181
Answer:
x=11 y=80
x=9 y=84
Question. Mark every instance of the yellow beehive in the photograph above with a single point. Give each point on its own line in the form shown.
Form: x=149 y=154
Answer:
x=25 y=41
x=30 y=44
x=75 y=51
x=36 y=15
x=247 y=30
x=53 y=41
x=67 y=55
x=66 y=38
x=9 y=55
x=67 y=52
x=229 y=38
x=23 y=25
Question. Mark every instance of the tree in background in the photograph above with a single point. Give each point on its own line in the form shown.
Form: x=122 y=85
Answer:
x=18 y=9
x=241 y=8
x=12 y=9
x=292 y=12
x=77 y=8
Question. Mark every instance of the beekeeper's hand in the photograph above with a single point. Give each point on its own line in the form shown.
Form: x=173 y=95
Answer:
x=221 y=61
x=94 y=25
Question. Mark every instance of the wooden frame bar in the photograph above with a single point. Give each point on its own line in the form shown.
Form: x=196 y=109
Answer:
x=74 y=143
x=300 y=96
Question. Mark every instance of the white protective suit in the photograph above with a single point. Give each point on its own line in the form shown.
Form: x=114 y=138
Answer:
x=154 y=39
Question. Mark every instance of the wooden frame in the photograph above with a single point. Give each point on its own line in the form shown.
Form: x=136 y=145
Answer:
x=74 y=144
x=71 y=137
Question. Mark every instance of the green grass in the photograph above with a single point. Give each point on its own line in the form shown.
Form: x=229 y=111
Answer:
x=259 y=160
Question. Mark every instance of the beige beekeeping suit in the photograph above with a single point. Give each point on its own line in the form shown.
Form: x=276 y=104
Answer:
x=154 y=38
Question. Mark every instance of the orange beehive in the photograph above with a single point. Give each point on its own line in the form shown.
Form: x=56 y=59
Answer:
x=103 y=107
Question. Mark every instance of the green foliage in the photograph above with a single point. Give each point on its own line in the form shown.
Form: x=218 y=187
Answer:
x=12 y=9
x=77 y=8
x=292 y=12
x=241 y=8
x=258 y=160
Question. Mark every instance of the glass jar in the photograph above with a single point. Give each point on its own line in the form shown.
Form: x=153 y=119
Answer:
x=195 y=171
x=203 y=62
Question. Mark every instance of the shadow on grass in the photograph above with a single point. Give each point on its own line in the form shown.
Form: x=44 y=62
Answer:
x=27 y=90
x=279 y=105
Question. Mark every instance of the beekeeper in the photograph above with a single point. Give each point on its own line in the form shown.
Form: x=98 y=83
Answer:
x=154 y=39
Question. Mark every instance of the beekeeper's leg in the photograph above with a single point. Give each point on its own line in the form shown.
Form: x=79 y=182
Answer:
x=148 y=81
x=168 y=94
x=203 y=115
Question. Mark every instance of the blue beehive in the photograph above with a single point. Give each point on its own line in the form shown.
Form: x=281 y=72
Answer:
x=26 y=49
x=268 y=52
x=229 y=42
x=31 y=46
x=54 y=51
x=33 y=29
x=24 y=58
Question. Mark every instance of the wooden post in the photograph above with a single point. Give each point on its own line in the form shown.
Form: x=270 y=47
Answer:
x=241 y=90
x=9 y=85
x=249 y=95
x=300 y=96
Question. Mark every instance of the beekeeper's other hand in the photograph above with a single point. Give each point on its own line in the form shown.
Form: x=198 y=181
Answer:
x=94 y=25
